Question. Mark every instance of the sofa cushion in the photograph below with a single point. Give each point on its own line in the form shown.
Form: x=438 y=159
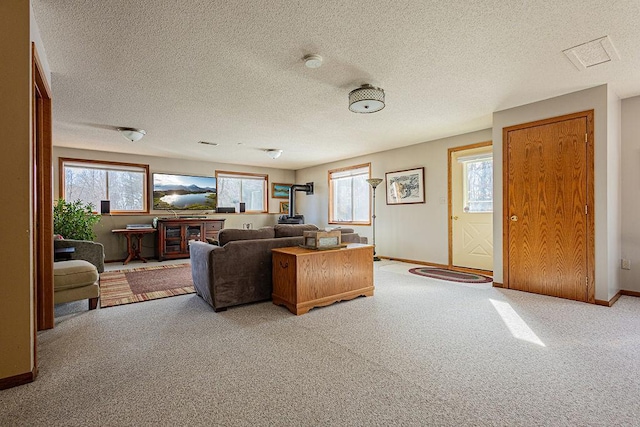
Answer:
x=227 y=235
x=293 y=230
x=343 y=230
x=73 y=274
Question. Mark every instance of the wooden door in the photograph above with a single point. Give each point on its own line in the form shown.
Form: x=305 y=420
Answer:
x=42 y=196
x=548 y=193
x=471 y=222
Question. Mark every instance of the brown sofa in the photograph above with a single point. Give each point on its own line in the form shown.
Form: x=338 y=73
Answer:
x=238 y=269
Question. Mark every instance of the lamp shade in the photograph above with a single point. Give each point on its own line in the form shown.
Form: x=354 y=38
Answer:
x=366 y=99
x=273 y=153
x=132 y=134
x=374 y=182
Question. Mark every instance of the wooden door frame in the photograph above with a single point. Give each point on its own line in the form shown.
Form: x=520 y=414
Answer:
x=450 y=151
x=42 y=195
x=590 y=175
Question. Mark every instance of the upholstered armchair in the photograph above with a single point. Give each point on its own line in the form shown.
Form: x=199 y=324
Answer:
x=92 y=252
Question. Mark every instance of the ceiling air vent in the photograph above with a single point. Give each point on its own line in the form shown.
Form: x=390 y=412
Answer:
x=590 y=54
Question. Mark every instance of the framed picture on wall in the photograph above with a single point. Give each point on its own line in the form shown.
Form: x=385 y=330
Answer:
x=280 y=191
x=405 y=187
x=284 y=207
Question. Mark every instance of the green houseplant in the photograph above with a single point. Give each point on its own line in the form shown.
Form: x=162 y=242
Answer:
x=74 y=220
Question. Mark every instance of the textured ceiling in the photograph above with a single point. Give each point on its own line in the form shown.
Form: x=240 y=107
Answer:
x=231 y=72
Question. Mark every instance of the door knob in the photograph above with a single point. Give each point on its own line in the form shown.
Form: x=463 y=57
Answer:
x=514 y=218
x=455 y=218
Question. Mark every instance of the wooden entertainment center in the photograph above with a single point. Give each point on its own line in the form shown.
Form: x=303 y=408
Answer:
x=174 y=235
x=306 y=278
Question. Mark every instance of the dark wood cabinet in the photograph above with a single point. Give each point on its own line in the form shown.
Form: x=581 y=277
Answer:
x=174 y=235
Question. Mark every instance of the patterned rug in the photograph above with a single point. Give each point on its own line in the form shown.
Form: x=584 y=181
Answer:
x=144 y=283
x=450 y=275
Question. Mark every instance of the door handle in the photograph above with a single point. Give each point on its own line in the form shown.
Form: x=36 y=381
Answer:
x=455 y=218
x=514 y=218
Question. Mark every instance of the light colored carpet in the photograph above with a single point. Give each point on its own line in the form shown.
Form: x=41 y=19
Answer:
x=420 y=352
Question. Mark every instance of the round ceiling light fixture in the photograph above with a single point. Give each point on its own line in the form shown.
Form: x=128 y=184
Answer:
x=273 y=153
x=312 y=61
x=132 y=134
x=366 y=99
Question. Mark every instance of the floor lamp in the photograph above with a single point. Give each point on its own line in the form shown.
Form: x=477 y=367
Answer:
x=374 y=182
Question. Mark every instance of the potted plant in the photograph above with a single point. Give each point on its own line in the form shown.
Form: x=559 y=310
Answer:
x=74 y=220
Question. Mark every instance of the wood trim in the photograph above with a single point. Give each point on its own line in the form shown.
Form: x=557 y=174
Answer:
x=330 y=220
x=43 y=199
x=261 y=175
x=412 y=261
x=346 y=168
x=610 y=302
x=432 y=264
x=62 y=160
x=471 y=270
x=450 y=151
x=105 y=162
x=498 y=285
x=591 y=202
x=588 y=115
x=17 y=380
x=505 y=208
x=616 y=297
x=630 y=293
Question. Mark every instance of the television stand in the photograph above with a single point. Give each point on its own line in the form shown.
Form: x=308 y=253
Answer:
x=174 y=235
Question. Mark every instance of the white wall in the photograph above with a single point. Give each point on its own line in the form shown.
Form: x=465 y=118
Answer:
x=614 y=199
x=37 y=40
x=415 y=232
x=115 y=247
x=631 y=192
x=606 y=241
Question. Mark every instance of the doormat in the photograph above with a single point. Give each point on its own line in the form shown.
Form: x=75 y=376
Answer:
x=450 y=275
x=145 y=283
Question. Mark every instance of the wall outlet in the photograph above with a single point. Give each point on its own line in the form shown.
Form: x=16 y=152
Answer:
x=626 y=264
x=247 y=226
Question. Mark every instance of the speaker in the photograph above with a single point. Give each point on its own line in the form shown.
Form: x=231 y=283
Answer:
x=242 y=206
x=226 y=210
x=105 y=206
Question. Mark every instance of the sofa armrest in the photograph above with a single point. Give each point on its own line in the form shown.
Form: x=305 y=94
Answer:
x=202 y=269
x=353 y=238
x=87 y=250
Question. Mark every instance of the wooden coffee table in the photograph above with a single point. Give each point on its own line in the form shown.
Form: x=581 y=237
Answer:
x=306 y=278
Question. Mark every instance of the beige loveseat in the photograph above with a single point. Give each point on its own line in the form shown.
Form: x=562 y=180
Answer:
x=238 y=269
x=79 y=277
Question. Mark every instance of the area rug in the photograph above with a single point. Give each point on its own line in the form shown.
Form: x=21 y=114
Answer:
x=450 y=275
x=145 y=283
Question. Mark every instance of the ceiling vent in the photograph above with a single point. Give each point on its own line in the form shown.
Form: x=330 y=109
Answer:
x=590 y=54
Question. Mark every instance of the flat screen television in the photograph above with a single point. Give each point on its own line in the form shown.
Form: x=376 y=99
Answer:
x=184 y=192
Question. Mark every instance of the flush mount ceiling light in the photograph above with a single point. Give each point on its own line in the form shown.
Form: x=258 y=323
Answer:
x=132 y=134
x=366 y=99
x=312 y=61
x=273 y=153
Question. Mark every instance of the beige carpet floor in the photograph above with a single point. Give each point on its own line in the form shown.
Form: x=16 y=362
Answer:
x=421 y=352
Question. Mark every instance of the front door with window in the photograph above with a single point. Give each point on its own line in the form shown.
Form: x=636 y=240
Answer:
x=472 y=208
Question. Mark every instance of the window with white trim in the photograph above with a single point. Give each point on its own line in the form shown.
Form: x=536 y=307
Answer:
x=123 y=184
x=237 y=187
x=349 y=195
